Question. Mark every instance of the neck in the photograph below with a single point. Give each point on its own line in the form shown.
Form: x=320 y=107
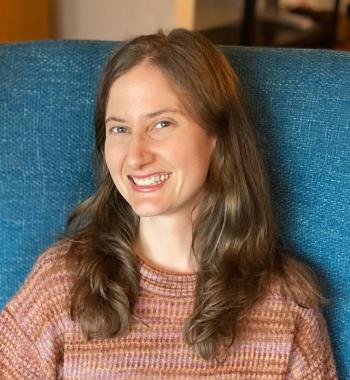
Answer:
x=165 y=242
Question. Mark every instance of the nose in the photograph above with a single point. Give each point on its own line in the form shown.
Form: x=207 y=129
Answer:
x=139 y=152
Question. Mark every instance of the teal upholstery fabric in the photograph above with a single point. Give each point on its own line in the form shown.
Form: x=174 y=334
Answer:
x=299 y=101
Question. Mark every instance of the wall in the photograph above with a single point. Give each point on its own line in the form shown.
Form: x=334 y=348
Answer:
x=211 y=13
x=111 y=19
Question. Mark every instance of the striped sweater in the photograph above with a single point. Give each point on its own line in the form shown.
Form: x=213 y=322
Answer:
x=38 y=340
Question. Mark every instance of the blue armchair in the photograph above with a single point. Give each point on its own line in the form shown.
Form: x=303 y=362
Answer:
x=299 y=101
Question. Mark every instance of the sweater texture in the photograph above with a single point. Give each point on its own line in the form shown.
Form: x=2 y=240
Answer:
x=276 y=340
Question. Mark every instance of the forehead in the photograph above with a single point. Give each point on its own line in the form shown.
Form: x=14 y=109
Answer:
x=146 y=88
x=144 y=81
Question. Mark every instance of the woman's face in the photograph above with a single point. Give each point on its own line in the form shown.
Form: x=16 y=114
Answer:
x=157 y=155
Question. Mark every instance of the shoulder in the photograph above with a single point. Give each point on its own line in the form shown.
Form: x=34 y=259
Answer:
x=311 y=354
x=53 y=257
x=291 y=315
x=292 y=286
x=278 y=297
x=34 y=322
x=299 y=321
x=48 y=284
x=299 y=317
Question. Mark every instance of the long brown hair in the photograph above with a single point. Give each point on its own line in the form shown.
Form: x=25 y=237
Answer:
x=234 y=235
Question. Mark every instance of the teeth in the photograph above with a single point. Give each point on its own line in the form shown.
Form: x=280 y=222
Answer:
x=154 y=180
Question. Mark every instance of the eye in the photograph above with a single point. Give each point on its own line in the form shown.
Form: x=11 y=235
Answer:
x=118 y=130
x=163 y=124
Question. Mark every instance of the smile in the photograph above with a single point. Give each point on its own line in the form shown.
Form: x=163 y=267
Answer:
x=151 y=180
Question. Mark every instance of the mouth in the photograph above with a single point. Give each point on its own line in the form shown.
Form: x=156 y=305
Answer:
x=151 y=180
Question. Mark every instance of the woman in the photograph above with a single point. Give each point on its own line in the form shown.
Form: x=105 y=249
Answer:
x=171 y=269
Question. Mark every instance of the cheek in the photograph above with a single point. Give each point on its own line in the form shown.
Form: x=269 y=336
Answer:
x=196 y=161
x=108 y=158
x=113 y=160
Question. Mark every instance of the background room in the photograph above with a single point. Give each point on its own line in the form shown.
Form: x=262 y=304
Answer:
x=290 y=23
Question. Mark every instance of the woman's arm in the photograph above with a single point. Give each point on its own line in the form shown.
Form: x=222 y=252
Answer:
x=311 y=357
x=32 y=323
x=19 y=356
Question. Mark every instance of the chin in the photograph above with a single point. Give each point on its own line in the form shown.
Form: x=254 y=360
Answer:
x=147 y=210
x=147 y=213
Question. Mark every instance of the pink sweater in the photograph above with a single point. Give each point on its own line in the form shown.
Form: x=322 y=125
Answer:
x=38 y=340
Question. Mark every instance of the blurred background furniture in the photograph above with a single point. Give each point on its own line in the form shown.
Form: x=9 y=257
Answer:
x=299 y=101
x=296 y=23
x=298 y=27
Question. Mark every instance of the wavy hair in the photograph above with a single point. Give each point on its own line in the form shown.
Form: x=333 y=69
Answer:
x=234 y=234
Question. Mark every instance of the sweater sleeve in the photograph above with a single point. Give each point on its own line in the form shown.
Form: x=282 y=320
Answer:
x=32 y=323
x=311 y=357
x=19 y=357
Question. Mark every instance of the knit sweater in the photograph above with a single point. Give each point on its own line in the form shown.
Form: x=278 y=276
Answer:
x=276 y=340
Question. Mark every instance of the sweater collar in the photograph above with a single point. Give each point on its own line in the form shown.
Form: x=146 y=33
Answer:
x=165 y=283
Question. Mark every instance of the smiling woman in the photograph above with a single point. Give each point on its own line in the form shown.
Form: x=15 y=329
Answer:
x=148 y=155
x=171 y=269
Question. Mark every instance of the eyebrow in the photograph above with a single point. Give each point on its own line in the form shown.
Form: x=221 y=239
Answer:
x=148 y=115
